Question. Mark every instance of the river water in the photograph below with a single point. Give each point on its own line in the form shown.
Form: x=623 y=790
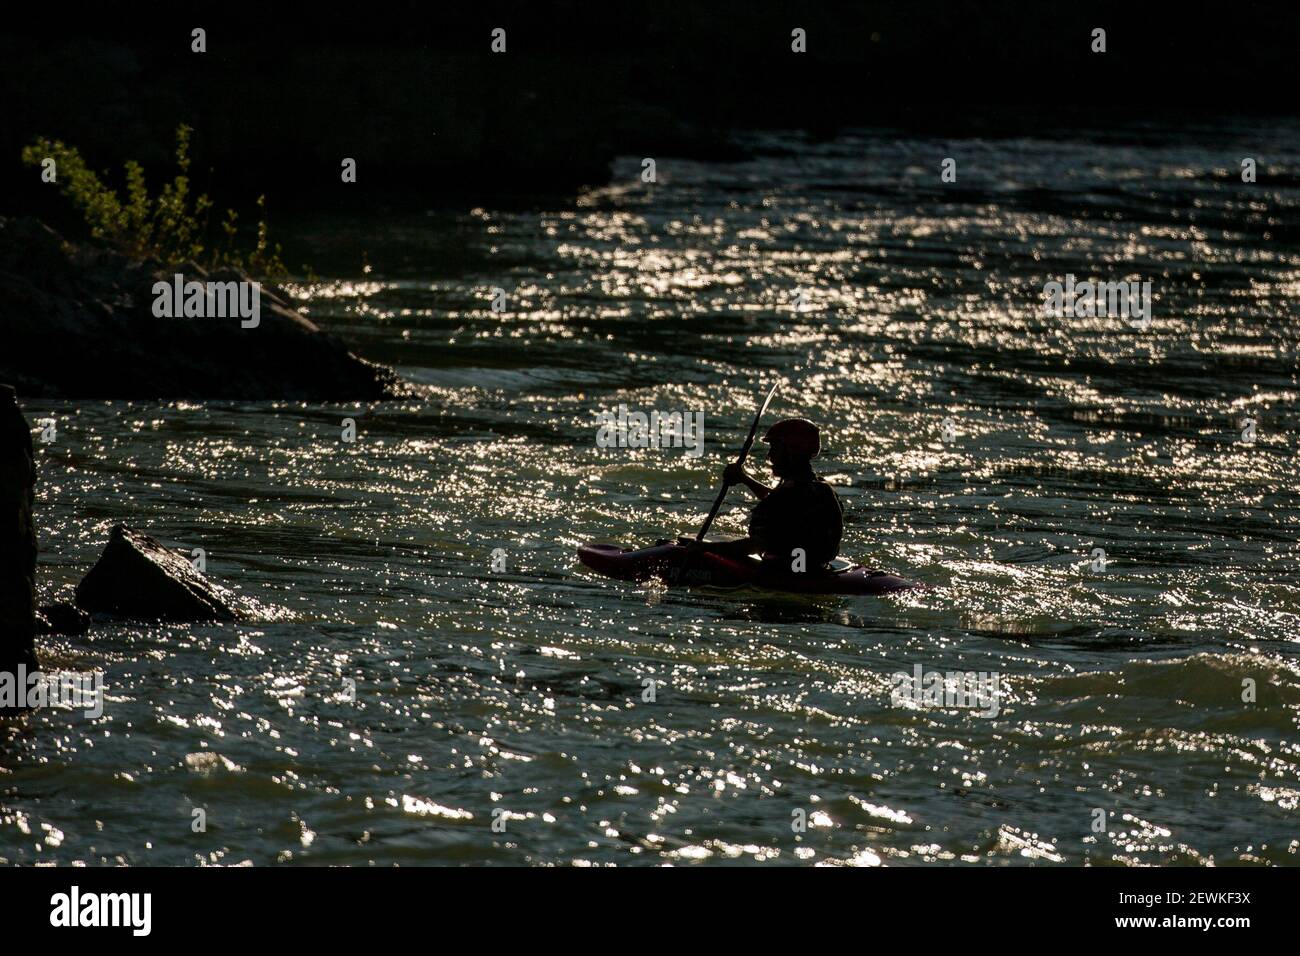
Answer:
x=416 y=703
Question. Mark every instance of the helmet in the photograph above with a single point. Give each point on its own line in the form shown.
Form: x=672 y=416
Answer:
x=797 y=435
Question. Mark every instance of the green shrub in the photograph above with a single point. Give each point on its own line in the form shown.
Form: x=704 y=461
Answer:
x=171 y=227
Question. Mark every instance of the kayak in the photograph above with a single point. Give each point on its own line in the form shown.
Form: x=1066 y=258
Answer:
x=673 y=564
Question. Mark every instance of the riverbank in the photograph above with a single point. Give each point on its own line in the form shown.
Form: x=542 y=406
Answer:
x=83 y=321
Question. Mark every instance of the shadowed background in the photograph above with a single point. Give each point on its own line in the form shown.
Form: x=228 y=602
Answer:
x=413 y=93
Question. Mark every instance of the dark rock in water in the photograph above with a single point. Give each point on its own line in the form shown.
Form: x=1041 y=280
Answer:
x=136 y=577
x=61 y=618
x=17 y=539
x=79 y=322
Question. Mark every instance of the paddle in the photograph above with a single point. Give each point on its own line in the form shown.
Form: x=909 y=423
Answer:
x=740 y=460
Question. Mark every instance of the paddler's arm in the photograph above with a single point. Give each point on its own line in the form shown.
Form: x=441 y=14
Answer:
x=735 y=474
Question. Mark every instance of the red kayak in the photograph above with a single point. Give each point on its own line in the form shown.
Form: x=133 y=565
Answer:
x=671 y=563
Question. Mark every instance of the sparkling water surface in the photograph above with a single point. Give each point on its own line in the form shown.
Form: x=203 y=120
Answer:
x=517 y=697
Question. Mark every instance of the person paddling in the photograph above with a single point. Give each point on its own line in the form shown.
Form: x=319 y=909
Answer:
x=801 y=513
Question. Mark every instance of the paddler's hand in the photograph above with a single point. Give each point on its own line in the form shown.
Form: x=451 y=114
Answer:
x=734 y=474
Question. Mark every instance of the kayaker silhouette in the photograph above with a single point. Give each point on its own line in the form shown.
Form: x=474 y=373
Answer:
x=795 y=530
x=800 y=516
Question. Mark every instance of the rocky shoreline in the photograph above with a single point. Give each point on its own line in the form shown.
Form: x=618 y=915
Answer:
x=78 y=321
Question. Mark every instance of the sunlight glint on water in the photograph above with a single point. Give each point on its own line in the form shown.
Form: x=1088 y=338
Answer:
x=521 y=691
